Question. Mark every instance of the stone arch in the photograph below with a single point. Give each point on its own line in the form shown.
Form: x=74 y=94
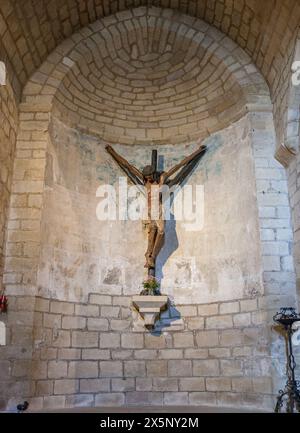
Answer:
x=292 y=129
x=42 y=100
x=8 y=134
x=238 y=80
x=292 y=140
x=43 y=97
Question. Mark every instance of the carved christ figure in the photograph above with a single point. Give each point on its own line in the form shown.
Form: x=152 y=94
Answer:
x=150 y=177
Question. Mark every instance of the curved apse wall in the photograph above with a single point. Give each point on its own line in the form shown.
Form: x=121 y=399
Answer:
x=213 y=345
x=153 y=77
x=156 y=76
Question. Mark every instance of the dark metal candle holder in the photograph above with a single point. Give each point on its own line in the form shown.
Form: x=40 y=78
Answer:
x=286 y=317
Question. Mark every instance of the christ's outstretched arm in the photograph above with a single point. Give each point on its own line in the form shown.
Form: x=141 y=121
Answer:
x=185 y=171
x=135 y=175
x=194 y=156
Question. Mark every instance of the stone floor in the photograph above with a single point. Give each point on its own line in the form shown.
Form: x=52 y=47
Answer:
x=153 y=409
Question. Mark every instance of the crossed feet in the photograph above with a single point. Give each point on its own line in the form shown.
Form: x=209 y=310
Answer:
x=150 y=261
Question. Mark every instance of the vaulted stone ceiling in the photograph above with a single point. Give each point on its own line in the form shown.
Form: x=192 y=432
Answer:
x=151 y=75
x=31 y=29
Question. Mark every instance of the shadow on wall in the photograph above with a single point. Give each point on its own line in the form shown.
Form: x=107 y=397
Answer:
x=171 y=240
x=170 y=246
x=169 y=320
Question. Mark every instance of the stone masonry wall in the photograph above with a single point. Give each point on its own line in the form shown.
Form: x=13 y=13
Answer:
x=8 y=131
x=75 y=344
x=87 y=354
x=95 y=352
x=266 y=31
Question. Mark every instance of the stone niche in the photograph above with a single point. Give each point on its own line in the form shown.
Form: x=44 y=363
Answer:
x=217 y=262
x=71 y=284
x=209 y=347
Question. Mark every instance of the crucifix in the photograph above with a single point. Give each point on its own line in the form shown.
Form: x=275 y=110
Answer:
x=150 y=177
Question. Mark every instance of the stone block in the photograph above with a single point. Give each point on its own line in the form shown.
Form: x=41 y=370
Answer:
x=132 y=341
x=231 y=367
x=83 y=369
x=187 y=310
x=60 y=307
x=179 y=368
x=243 y=352
x=21 y=367
x=242 y=384
x=110 y=399
x=94 y=385
x=242 y=320
x=121 y=354
x=68 y=354
x=155 y=341
x=191 y=384
x=71 y=322
x=100 y=299
x=207 y=338
x=134 y=368
x=54 y=401
x=57 y=369
x=157 y=368
x=123 y=384
x=39 y=369
x=87 y=310
x=111 y=369
x=209 y=367
x=110 y=311
x=218 y=384
x=85 y=339
x=233 y=337
x=183 y=339
x=170 y=354
x=94 y=324
x=42 y=305
x=165 y=384
x=144 y=383
x=43 y=387
x=52 y=320
x=138 y=398
x=119 y=325
x=176 y=398
x=49 y=353
x=195 y=323
x=110 y=340
x=202 y=398
x=80 y=400
x=196 y=353
x=208 y=309
x=145 y=354
x=95 y=354
x=66 y=386
x=219 y=352
x=122 y=301
x=219 y=322
x=229 y=307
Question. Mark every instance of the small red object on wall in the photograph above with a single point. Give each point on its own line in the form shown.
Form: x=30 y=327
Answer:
x=3 y=304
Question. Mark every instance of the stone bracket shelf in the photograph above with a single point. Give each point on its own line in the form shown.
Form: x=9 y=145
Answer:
x=150 y=308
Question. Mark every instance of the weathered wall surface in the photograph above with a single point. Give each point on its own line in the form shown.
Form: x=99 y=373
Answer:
x=211 y=347
x=87 y=354
x=219 y=262
x=72 y=336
